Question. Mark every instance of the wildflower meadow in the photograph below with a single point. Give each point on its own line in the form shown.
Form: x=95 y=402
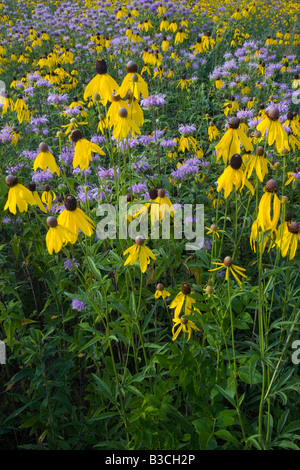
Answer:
x=149 y=220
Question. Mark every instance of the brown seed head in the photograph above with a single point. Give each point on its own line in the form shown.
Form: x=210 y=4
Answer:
x=234 y=122
x=228 y=261
x=294 y=227
x=52 y=221
x=11 y=181
x=139 y=240
x=131 y=67
x=70 y=203
x=76 y=136
x=31 y=186
x=273 y=114
x=153 y=193
x=271 y=186
x=123 y=112
x=236 y=161
x=101 y=67
x=186 y=288
x=260 y=151
x=43 y=147
x=184 y=320
x=160 y=287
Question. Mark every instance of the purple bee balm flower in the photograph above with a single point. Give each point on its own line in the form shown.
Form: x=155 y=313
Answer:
x=42 y=176
x=55 y=98
x=168 y=143
x=43 y=83
x=245 y=114
x=68 y=264
x=138 y=188
x=154 y=101
x=78 y=305
x=186 y=129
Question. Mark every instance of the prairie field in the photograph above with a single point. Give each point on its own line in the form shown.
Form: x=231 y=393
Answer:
x=149 y=225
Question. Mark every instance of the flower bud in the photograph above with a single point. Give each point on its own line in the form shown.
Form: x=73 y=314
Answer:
x=96 y=97
x=209 y=290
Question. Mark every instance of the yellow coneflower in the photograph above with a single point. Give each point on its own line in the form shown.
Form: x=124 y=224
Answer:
x=274 y=129
x=184 y=82
x=296 y=81
x=293 y=176
x=83 y=150
x=140 y=252
x=185 y=325
x=266 y=221
x=184 y=300
x=57 y=236
x=213 y=132
x=7 y=103
x=165 y=44
x=219 y=83
x=173 y=26
x=73 y=124
x=231 y=106
x=133 y=82
x=32 y=187
x=124 y=125
x=293 y=122
x=112 y=114
x=164 y=25
x=230 y=142
x=45 y=160
x=258 y=162
x=18 y=196
x=214 y=229
x=161 y=291
x=198 y=47
x=230 y=268
x=102 y=83
x=233 y=176
x=48 y=196
x=74 y=219
x=290 y=240
x=207 y=41
x=180 y=36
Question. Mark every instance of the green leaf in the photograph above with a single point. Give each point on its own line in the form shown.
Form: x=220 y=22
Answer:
x=105 y=390
x=226 y=436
